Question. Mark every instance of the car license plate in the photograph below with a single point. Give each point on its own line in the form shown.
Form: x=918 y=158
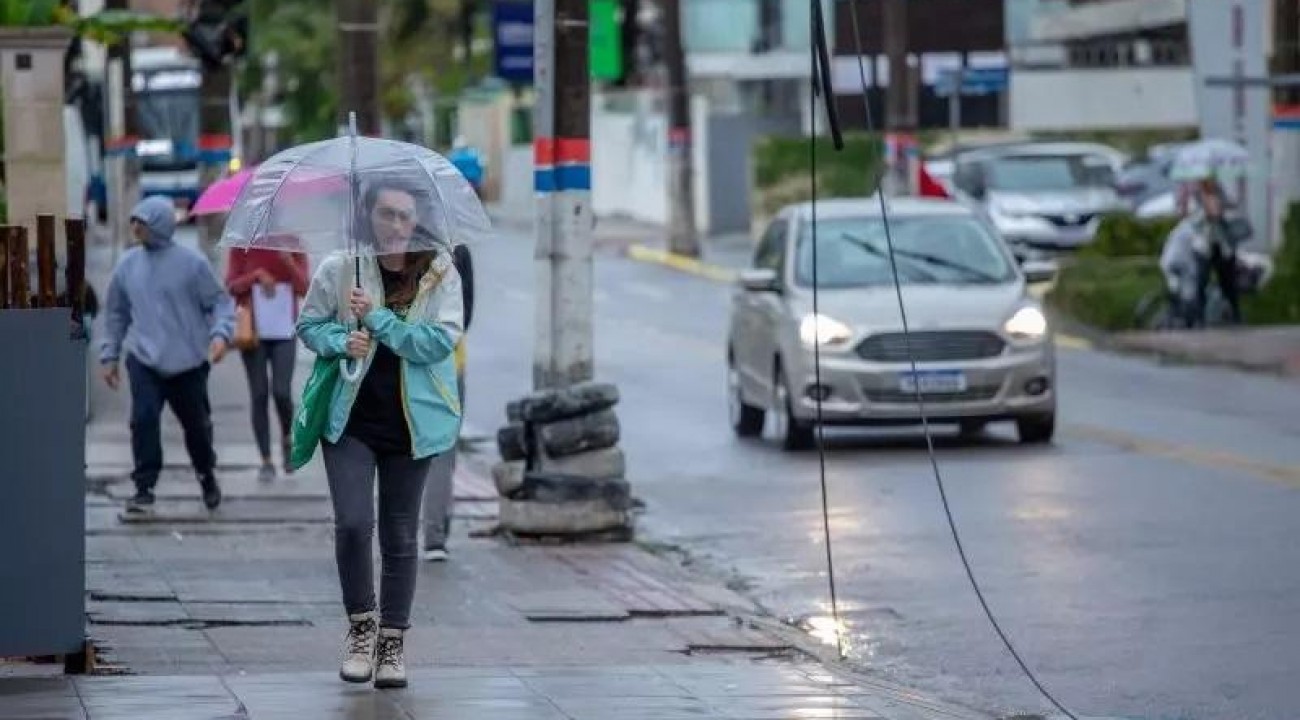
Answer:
x=933 y=382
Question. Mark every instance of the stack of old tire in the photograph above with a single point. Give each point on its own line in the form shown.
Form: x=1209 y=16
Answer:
x=561 y=471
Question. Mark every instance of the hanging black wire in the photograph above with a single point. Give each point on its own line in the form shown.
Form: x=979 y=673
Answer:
x=821 y=83
x=820 y=69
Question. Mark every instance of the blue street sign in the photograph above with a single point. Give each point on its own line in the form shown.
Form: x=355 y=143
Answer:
x=512 y=39
x=974 y=81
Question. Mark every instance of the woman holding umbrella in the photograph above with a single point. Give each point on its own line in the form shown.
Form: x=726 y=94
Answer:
x=400 y=414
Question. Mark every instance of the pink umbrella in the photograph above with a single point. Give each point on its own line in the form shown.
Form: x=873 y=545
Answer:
x=220 y=195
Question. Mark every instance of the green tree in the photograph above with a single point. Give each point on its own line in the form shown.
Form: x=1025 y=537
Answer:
x=302 y=36
x=419 y=37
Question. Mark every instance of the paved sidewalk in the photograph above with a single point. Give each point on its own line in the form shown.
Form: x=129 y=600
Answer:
x=1274 y=350
x=236 y=614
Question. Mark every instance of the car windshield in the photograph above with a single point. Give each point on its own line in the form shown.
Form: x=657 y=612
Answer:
x=947 y=249
x=1031 y=173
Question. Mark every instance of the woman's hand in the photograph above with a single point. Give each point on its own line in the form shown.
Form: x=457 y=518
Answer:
x=359 y=303
x=267 y=281
x=358 y=344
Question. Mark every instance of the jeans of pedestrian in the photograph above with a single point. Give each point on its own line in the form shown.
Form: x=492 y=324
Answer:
x=351 y=467
x=439 y=491
x=187 y=395
x=276 y=357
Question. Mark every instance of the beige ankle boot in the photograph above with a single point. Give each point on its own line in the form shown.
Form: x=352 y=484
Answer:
x=359 y=647
x=390 y=668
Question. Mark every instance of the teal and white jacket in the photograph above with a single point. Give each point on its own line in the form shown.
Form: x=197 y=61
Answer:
x=425 y=341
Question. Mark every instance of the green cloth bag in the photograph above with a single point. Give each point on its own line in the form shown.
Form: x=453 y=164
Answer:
x=313 y=415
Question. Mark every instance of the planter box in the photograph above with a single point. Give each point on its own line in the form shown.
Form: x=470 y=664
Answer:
x=42 y=519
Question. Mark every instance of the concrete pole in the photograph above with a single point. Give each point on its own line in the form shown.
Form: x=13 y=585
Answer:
x=358 y=25
x=544 y=185
x=562 y=153
x=682 y=236
x=122 y=165
x=900 y=108
x=215 y=145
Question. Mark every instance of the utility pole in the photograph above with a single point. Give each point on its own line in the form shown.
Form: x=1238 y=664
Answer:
x=682 y=236
x=900 y=96
x=122 y=164
x=216 y=37
x=358 y=24
x=562 y=155
x=215 y=145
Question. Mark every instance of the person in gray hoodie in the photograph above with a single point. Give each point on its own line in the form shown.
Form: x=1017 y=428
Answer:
x=174 y=317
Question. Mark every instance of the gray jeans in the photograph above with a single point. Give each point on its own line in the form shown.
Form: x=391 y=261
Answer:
x=351 y=468
x=277 y=356
x=439 y=491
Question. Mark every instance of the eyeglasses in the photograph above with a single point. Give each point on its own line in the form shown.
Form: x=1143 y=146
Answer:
x=389 y=214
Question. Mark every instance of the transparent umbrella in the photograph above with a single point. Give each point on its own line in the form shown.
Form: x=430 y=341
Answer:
x=1209 y=158
x=366 y=196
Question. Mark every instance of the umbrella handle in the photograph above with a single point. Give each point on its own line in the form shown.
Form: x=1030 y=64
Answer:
x=350 y=369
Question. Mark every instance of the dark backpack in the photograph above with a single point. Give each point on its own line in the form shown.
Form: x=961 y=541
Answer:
x=460 y=257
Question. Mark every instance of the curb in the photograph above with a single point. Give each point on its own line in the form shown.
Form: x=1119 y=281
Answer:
x=681 y=263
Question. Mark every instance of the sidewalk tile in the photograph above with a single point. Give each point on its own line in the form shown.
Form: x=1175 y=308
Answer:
x=39 y=699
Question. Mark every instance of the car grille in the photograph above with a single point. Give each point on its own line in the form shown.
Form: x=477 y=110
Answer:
x=1070 y=220
x=902 y=397
x=932 y=346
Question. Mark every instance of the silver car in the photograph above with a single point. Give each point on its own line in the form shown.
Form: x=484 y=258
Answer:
x=984 y=348
x=1042 y=197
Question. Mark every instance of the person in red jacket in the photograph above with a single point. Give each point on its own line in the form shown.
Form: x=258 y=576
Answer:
x=270 y=364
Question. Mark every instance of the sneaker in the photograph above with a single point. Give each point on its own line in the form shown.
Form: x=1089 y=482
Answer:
x=142 y=502
x=435 y=554
x=211 y=491
x=266 y=474
x=390 y=665
x=359 y=645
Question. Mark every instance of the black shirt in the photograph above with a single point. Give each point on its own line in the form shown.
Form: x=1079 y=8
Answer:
x=378 y=416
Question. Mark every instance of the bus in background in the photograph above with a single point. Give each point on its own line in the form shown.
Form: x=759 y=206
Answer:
x=165 y=86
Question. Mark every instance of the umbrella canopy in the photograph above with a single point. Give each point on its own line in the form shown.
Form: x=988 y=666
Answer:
x=1210 y=158
x=220 y=196
x=369 y=196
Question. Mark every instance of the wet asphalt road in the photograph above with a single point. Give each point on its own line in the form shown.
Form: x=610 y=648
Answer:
x=1145 y=564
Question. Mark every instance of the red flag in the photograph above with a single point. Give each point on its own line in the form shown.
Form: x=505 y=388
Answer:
x=930 y=187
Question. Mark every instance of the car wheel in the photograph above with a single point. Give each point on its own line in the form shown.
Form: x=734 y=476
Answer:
x=1036 y=429
x=793 y=433
x=746 y=420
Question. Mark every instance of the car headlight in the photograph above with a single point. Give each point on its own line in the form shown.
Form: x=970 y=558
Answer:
x=821 y=330
x=1028 y=323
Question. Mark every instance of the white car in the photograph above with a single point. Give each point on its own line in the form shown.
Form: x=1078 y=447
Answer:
x=983 y=347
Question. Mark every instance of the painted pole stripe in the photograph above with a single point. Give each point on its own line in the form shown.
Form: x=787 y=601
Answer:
x=562 y=178
x=543 y=151
x=215 y=142
x=573 y=150
x=561 y=164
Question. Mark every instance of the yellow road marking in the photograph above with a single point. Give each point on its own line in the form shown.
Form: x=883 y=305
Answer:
x=681 y=263
x=1284 y=475
x=1073 y=342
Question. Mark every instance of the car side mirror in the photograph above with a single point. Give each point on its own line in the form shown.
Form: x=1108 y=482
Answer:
x=760 y=280
x=1039 y=271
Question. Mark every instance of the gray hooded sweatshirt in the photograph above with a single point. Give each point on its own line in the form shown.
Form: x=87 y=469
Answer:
x=164 y=303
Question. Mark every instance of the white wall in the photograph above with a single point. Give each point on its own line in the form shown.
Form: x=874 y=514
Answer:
x=629 y=161
x=1086 y=99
